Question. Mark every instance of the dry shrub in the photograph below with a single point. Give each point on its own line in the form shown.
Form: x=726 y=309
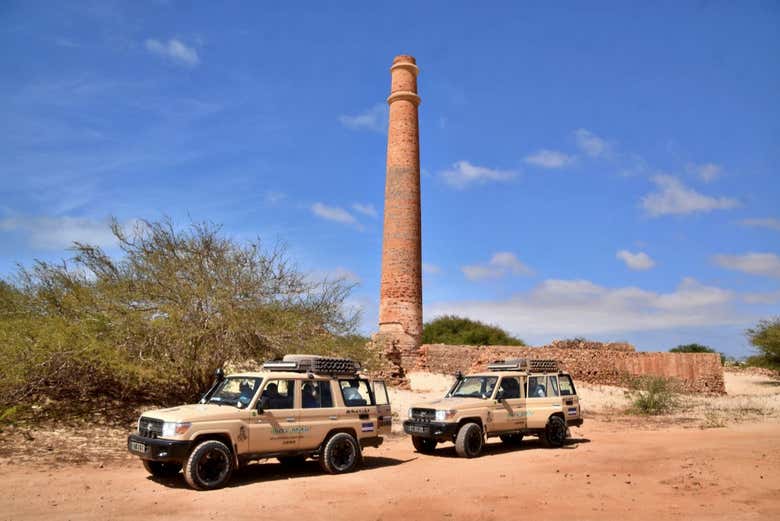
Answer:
x=152 y=323
x=652 y=395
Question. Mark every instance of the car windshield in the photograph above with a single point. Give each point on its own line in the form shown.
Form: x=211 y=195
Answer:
x=236 y=390
x=475 y=387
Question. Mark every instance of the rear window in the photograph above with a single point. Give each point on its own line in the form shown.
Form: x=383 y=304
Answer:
x=380 y=393
x=567 y=386
x=356 y=392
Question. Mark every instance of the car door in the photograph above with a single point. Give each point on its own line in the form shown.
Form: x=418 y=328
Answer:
x=508 y=413
x=318 y=413
x=542 y=400
x=274 y=422
x=384 y=413
x=358 y=408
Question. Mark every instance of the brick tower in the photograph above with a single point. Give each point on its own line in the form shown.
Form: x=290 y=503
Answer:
x=400 y=302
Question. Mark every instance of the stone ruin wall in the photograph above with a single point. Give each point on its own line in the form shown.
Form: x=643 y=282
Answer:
x=596 y=363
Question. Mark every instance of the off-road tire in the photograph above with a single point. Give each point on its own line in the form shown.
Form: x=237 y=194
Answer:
x=424 y=445
x=340 y=454
x=159 y=469
x=209 y=466
x=469 y=442
x=292 y=461
x=512 y=439
x=554 y=432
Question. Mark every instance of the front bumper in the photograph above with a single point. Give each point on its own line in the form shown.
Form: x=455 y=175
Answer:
x=574 y=422
x=157 y=449
x=430 y=429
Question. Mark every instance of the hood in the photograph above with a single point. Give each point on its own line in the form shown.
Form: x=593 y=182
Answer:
x=452 y=403
x=196 y=412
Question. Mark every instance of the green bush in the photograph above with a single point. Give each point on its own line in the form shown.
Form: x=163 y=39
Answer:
x=652 y=395
x=453 y=330
x=766 y=338
x=152 y=323
x=697 y=348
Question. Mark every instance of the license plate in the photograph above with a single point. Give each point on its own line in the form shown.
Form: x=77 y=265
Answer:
x=417 y=428
x=137 y=447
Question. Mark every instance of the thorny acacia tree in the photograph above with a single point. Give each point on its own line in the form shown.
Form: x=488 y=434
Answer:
x=155 y=321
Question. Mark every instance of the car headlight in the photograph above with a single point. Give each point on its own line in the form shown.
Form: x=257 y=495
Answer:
x=444 y=415
x=409 y=413
x=175 y=428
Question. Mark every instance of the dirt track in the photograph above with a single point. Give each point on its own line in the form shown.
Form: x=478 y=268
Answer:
x=730 y=473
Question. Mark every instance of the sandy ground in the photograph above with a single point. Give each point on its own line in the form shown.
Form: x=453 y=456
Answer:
x=613 y=468
x=730 y=473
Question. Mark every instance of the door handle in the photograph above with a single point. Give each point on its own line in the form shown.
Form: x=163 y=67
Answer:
x=333 y=417
x=291 y=419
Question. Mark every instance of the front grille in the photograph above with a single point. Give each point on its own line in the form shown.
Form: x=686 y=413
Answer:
x=423 y=415
x=150 y=428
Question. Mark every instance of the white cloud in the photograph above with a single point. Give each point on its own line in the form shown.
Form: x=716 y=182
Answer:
x=500 y=265
x=765 y=264
x=373 y=119
x=769 y=297
x=365 y=209
x=549 y=159
x=636 y=261
x=333 y=213
x=675 y=198
x=463 y=174
x=174 y=50
x=558 y=308
x=55 y=233
x=430 y=269
x=707 y=172
x=590 y=143
x=770 y=223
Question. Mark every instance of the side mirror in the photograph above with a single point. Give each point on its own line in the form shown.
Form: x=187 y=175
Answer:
x=499 y=396
x=263 y=403
x=219 y=374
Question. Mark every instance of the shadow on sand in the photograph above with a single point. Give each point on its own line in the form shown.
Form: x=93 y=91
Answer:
x=495 y=448
x=271 y=470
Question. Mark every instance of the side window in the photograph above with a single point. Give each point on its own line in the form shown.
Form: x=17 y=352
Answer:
x=552 y=387
x=356 y=392
x=567 y=386
x=510 y=387
x=380 y=393
x=316 y=394
x=537 y=387
x=278 y=394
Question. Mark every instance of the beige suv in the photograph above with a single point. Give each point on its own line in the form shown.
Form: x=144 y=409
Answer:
x=296 y=408
x=510 y=400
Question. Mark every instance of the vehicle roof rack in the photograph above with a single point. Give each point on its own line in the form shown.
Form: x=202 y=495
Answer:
x=525 y=364
x=314 y=364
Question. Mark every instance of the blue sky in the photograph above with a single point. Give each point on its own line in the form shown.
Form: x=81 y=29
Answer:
x=607 y=171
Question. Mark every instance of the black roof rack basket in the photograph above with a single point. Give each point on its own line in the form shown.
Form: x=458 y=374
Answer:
x=525 y=364
x=314 y=364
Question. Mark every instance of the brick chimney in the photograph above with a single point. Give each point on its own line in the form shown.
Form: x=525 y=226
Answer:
x=400 y=304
